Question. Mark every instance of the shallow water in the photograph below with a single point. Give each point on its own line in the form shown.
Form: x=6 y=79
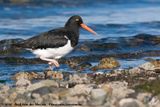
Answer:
x=115 y=18
x=108 y=19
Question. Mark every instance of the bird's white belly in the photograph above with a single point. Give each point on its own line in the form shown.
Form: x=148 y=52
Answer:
x=54 y=52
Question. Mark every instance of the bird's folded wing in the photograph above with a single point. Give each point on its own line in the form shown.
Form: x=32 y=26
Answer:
x=50 y=39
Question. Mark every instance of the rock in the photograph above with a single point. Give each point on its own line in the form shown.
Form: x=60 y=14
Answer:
x=19 y=100
x=108 y=89
x=57 y=75
x=84 y=48
x=151 y=78
x=83 y=66
x=81 y=100
x=1 y=99
x=43 y=91
x=64 y=93
x=98 y=97
x=72 y=63
x=151 y=66
x=35 y=95
x=13 y=96
x=37 y=98
x=53 y=75
x=63 y=84
x=7 y=101
x=35 y=75
x=23 y=82
x=129 y=102
x=80 y=89
x=154 y=102
x=156 y=63
x=54 y=96
x=79 y=78
x=107 y=63
x=22 y=60
x=149 y=86
x=135 y=71
x=48 y=74
x=4 y=89
x=27 y=75
x=147 y=66
x=21 y=75
x=149 y=59
x=144 y=97
x=120 y=90
x=6 y=43
x=6 y=46
x=43 y=83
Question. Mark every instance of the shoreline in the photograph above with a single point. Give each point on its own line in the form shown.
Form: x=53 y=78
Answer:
x=137 y=86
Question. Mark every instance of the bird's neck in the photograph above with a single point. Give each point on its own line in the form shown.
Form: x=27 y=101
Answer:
x=74 y=36
x=73 y=27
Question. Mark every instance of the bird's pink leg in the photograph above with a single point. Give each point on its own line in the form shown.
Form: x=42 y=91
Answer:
x=54 y=62
x=51 y=61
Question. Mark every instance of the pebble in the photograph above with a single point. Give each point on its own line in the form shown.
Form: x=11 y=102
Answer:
x=130 y=102
x=120 y=89
x=84 y=48
x=80 y=89
x=98 y=96
x=4 y=88
x=23 y=82
x=135 y=70
x=35 y=95
x=54 y=96
x=147 y=66
x=154 y=102
x=80 y=79
x=106 y=63
x=151 y=78
x=144 y=97
x=107 y=88
x=13 y=96
x=43 y=83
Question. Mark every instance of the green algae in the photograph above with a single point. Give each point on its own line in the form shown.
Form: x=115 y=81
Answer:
x=149 y=86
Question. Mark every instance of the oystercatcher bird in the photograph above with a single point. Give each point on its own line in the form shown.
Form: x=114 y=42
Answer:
x=54 y=44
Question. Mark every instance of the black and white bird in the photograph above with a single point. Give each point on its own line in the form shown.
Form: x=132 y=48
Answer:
x=54 y=44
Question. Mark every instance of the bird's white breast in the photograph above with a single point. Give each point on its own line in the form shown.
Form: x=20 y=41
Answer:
x=54 y=52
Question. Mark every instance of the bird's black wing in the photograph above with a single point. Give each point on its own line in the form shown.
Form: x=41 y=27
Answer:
x=51 y=39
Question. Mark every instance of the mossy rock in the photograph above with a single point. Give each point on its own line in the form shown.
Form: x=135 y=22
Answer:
x=107 y=63
x=149 y=86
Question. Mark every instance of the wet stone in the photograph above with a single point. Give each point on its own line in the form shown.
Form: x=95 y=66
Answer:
x=83 y=66
x=107 y=63
x=53 y=75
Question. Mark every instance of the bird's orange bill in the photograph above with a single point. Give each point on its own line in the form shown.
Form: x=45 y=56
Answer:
x=88 y=29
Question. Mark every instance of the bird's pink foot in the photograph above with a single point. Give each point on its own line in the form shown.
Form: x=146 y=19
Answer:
x=54 y=63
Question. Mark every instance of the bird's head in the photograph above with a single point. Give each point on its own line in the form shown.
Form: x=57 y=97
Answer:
x=77 y=21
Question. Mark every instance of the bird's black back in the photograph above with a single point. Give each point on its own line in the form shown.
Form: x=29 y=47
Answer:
x=52 y=39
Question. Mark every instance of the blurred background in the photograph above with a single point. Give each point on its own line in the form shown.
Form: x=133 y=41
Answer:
x=110 y=18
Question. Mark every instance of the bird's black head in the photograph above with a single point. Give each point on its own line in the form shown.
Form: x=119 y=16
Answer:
x=74 y=21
